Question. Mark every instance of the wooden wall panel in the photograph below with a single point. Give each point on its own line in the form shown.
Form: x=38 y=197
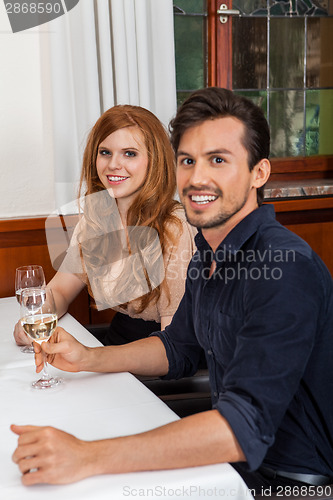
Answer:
x=312 y=220
x=23 y=242
x=320 y=238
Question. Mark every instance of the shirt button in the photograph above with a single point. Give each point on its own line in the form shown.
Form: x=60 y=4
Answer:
x=209 y=352
x=215 y=394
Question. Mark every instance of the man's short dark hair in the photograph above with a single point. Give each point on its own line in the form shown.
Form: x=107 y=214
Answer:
x=215 y=102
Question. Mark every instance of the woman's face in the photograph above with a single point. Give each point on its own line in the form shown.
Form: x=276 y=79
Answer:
x=122 y=163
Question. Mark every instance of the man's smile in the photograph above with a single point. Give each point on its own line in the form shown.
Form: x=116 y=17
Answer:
x=202 y=199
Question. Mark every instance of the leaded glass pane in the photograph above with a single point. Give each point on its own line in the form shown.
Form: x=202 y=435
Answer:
x=298 y=7
x=287 y=56
x=312 y=120
x=319 y=70
x=258 y=97
x=251 y=7
x=191 y=6
x=182 y=96
x=286 y=119
x=189 y=47
x=249 y=53
x=319 y=122
x=325 y=100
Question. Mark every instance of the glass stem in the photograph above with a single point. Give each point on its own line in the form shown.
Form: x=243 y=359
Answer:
x=45 y=374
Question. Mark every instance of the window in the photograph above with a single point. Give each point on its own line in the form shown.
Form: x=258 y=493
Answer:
x=277 y=52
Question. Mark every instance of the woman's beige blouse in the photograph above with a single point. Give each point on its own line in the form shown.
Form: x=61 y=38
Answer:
x=175 y=260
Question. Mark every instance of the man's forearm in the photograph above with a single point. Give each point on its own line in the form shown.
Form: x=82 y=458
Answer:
x=201 y=439
x=48 y=455
x=143 y=357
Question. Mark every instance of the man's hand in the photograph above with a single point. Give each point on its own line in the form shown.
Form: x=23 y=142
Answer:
x=20 y=336
x=62 y=351
x=48 y=455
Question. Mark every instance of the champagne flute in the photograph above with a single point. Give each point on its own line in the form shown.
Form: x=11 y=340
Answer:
x=28 y=277
x=39 y=320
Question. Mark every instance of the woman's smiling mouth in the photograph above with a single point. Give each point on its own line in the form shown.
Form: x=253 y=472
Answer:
x=116 y=178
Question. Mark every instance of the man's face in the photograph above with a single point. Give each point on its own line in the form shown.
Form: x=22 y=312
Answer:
x=214 y=181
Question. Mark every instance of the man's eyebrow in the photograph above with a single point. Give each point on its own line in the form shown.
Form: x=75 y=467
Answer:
x=208 y=153
x=182 y=153
x=222 y=151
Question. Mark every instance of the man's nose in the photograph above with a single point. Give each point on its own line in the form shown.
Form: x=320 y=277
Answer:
x=200 y=174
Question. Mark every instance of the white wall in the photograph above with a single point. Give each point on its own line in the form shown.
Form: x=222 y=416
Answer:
x=50 y=93
x=26 y=157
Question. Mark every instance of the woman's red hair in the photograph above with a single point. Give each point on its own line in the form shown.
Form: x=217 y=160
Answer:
x=154 y=205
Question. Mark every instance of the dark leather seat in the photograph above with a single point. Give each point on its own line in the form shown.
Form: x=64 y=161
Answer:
x=185 y=396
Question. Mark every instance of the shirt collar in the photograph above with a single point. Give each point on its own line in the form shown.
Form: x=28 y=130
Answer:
x=240 y=233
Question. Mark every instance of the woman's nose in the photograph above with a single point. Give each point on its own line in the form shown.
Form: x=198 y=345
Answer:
x=114 y=163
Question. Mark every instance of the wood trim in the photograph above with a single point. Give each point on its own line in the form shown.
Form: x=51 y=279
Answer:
x=305 y=218
x=11 y=225
x=31 y=223
x=224 y=39
x=30 y=232
x=219 y=35
x=212 y=49
x=303 y=204
x=297 y=164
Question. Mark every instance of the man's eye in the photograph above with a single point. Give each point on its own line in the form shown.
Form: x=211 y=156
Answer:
x=217 y=159
x=187 y=161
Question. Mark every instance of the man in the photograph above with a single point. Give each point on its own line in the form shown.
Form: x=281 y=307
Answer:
x=257 y=300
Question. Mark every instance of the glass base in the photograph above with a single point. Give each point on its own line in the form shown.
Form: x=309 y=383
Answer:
x=47 y=383
x=27 y=349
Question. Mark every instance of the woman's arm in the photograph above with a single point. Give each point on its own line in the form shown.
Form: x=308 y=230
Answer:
x=66 y=287
x=165 y=321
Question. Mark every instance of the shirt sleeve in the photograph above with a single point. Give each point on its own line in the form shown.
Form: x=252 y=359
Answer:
x=182 y=348
x=273 y=347
x=176 y=263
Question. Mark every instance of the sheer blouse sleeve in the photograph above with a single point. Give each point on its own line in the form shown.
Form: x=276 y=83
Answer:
x=176 y=262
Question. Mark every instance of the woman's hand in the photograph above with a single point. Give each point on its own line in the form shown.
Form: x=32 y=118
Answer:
x=62 y=351
x=20 y=336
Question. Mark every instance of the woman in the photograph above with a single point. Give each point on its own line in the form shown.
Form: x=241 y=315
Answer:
x=132 y=243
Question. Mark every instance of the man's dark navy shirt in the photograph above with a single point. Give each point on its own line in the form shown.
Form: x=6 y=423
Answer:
x=265 y=322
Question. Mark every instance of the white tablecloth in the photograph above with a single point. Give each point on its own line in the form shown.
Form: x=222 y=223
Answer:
x=92 y=406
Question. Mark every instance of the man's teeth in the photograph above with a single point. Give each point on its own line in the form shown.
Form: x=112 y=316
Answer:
x=116 y=178
x=201 y=199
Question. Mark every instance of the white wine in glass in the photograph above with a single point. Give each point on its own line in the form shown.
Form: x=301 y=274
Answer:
x=39 y=320
x=28 y=277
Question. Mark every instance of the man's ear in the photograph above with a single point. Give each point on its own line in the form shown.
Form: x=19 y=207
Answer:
x=262 y=171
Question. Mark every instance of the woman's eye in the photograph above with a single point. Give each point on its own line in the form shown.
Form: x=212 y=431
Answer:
x=104 y=152
x=130 y=154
